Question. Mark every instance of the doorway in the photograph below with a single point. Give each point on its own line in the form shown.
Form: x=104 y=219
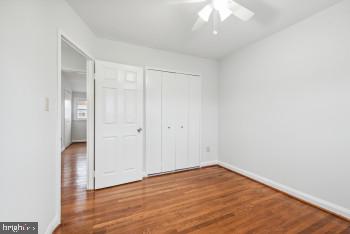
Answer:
x=74 y=97
x=74 y=111
x=75 y=138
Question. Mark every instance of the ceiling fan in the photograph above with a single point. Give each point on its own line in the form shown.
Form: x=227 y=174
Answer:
x=220 y=10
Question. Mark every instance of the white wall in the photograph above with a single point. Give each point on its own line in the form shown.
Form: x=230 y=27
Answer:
x=71 y=59
x=285 y=108
x=142 y=56
x=77 y=81
x=28 y=66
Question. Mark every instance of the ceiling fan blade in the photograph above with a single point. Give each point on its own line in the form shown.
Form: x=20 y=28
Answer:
x=205 y=13
x=198 y=24
x=240 y=11
x=224 y=13
x=175 y=2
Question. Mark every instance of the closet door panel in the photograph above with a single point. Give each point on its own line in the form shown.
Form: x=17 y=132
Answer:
x=153 y=122
x=169 y=103
x=173 y=114
x=195 y=104
x=181 y=124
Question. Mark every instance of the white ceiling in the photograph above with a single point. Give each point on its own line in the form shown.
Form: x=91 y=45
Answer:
x=73 y=68
x=162 y=24
x=76 y=81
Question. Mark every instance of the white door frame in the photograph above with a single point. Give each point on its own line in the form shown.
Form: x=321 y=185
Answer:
x=90 y=121
x=66 y=91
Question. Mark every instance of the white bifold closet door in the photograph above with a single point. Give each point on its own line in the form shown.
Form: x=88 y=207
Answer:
x=175 y=121
x=153 y=106
x=173 y=103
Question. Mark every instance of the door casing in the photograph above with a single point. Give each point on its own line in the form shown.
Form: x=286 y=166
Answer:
x=67 y=121
x=62 y=36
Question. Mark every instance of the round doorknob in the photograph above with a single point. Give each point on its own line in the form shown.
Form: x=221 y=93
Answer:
x=139 y=130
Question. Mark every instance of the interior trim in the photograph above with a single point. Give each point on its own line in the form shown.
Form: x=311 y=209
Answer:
x=326 y=206
x=209 y=163
x=54 y=224
x=170 y=71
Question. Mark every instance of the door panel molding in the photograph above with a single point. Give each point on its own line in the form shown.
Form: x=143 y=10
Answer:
x=119 y=115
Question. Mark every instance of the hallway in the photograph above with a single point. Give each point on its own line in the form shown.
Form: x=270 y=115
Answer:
x=74 y=170
x=73 y=181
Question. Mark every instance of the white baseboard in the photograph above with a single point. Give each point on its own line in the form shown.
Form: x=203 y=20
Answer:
x=209 y=163
x=79 y=141
x=144 y=174
x=53 y=225
x=331 y=207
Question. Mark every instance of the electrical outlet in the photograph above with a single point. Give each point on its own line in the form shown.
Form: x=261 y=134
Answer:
x=207 y=149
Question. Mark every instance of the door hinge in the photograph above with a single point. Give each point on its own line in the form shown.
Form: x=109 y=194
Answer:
x=94 y=68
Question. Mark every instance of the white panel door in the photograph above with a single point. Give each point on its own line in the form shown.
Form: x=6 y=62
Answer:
x=169 y=111
x=67 y=118
x=194 y=120
x=181 y=95
x=118 y=123
x=153 y=121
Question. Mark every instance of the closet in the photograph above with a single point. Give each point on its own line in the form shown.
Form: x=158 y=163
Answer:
x=173 y=113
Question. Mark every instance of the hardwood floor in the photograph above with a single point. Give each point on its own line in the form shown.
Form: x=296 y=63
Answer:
x=210 y=200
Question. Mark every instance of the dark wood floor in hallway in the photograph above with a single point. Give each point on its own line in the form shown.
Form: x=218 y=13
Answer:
x=209 y=200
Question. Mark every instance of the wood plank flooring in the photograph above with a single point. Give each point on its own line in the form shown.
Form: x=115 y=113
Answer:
x=210 y=200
